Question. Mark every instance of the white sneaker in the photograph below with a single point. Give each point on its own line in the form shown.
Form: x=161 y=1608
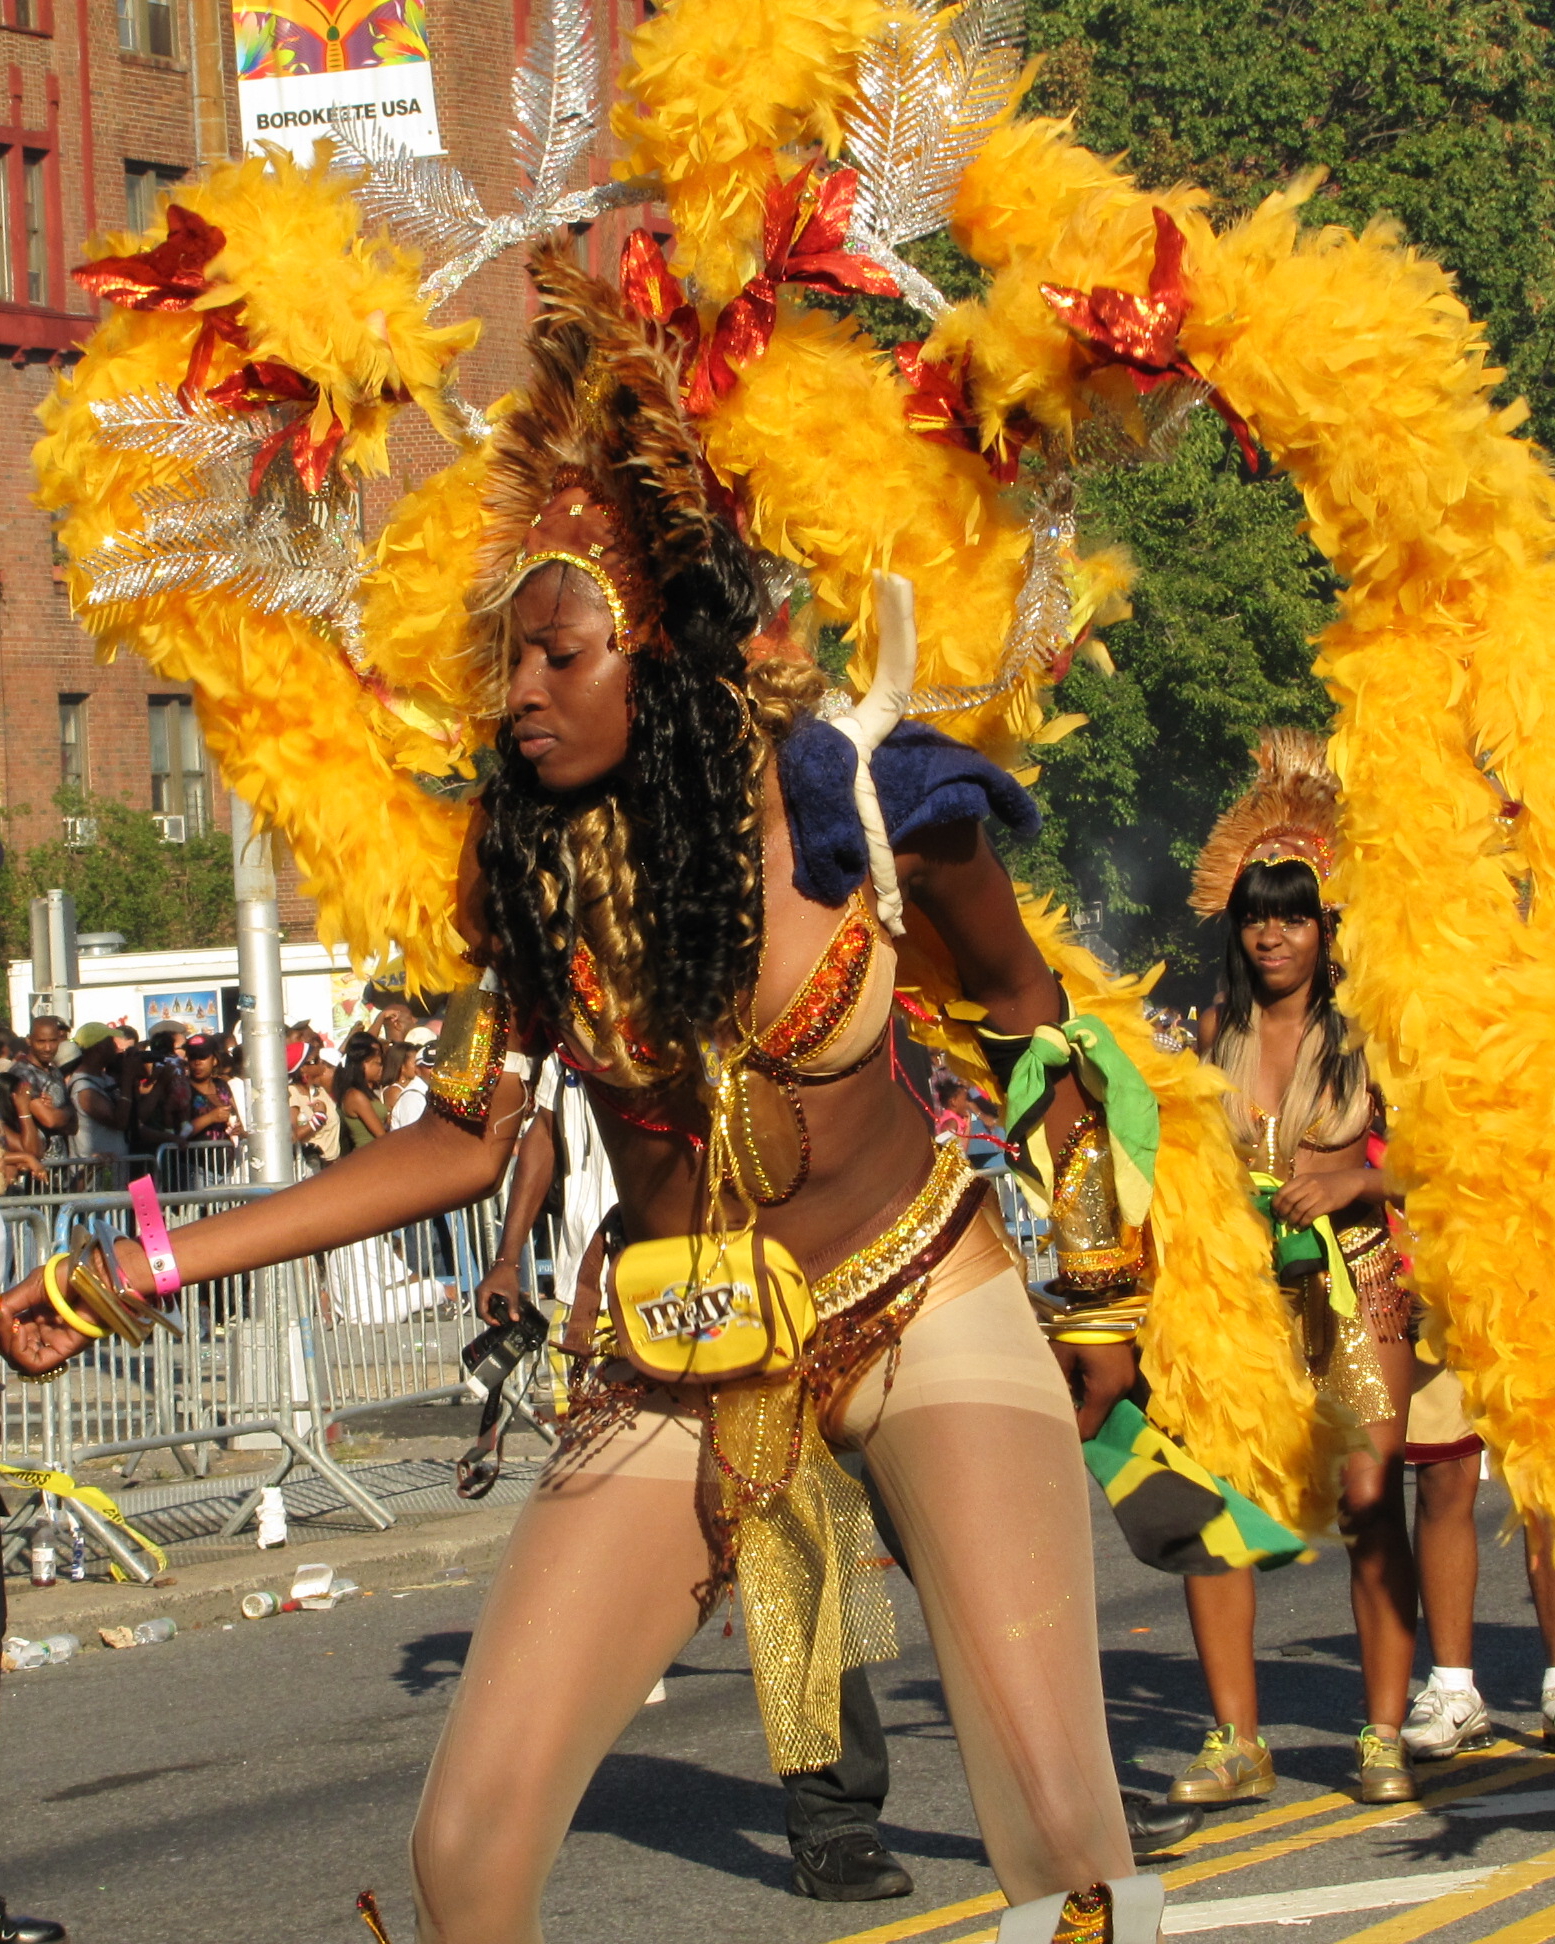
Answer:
x=1445 y=1722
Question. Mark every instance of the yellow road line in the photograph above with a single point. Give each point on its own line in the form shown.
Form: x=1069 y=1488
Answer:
x=1537 y=1929
x=1510 y=1882
x=948 y=1914
x=927 y=1920
x=1289 y=1812
x=1387 y=1812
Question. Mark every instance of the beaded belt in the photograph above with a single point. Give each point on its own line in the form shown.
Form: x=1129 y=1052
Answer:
x=950 y=1185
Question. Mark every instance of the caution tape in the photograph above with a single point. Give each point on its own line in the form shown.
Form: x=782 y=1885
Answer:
x=62 y=1485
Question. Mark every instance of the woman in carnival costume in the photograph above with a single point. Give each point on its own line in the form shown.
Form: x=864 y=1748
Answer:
x=1301 y=1107
x=692 y=882
x=679 y=878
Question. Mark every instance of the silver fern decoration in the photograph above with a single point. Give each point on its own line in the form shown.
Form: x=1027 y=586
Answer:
x=557 y=115
x=280 y=550
x=556 y=104
x=932 y=85
x=160 y=422
x=1039 y=633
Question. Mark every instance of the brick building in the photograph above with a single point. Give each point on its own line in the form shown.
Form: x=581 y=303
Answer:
x=108 y=102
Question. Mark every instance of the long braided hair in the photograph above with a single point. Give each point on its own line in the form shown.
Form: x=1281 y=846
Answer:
x=657 y=867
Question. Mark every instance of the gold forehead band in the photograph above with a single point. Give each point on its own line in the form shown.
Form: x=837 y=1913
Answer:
x=596 y=573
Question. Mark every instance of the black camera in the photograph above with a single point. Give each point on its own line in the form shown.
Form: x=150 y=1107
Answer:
x=490 y=1357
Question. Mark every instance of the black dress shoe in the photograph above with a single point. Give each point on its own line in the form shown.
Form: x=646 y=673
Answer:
x=1154 y=1826
x=29 y=1930
x=848 y=1868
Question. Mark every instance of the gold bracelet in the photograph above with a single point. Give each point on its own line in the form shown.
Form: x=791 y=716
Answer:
x=56 y=1296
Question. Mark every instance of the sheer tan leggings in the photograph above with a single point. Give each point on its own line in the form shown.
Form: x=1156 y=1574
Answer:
x=975 y=1452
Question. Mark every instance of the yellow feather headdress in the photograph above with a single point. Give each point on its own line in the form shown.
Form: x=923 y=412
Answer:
x=1291 y=814
x=1351 y=360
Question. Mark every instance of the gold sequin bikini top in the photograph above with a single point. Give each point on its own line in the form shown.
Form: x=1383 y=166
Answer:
x=833 y=1025
x=838 y=1008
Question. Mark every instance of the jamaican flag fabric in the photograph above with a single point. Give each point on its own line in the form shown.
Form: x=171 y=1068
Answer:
x=1175 y=1515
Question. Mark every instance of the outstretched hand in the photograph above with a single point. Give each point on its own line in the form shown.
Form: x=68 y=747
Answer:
x=34 y=1338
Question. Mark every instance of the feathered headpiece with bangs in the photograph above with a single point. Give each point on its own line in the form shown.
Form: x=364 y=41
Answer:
x=597 y=467
x=1291 y=814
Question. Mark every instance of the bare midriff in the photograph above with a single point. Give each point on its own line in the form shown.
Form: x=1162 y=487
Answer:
x=869 y=1147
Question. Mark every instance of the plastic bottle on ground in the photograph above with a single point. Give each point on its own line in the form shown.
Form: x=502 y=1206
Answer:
x=150 y=1632
x=272 y=1517
x=43 y=1551
x=259 y=1606
x=77 y=1545
x=61 y=1647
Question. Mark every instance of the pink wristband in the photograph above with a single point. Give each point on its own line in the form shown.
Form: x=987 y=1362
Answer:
x=154 y=1240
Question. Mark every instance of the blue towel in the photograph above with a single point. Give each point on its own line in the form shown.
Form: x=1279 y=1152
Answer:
x=924 y=778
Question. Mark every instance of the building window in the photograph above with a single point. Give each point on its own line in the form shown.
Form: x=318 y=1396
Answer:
x=146 y=27
x=36 y=211
x=143 y=182
x=73 y=772
x=31 y=16
x=7 y=233
x=179 y=785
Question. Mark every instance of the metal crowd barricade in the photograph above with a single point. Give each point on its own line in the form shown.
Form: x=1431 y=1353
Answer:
x=1028 y=1234
x=241 y=1371
x=181 y=1167
x=390 y=1315
x=102 y=1174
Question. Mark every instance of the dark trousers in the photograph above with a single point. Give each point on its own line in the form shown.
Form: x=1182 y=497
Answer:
x=850 y=1793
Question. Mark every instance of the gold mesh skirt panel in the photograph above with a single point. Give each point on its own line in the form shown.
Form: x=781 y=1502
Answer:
x=815 y=1601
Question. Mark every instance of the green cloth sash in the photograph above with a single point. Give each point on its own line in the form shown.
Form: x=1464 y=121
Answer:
x=1111 y=1078
x=1174 y=1514
x=1341 y=1289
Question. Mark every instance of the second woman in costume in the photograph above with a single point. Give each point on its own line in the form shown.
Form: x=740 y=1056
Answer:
x=1301 y=1107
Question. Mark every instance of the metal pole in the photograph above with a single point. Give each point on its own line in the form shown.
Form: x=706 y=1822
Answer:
x=260 y=1000
x=64 y=972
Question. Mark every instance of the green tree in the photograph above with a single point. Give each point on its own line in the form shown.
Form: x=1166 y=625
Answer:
x=1438 y=112
x=1228 y=597
x=162 y=896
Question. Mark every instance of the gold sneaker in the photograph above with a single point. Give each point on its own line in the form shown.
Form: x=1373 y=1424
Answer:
x=1383 y=1761
x=1228 y=1768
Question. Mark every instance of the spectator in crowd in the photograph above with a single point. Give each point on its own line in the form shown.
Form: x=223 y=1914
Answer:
x=103 y=1109
x=51 y=1107
x=213 y=1113
x=395 y=1020
x=357 y=1080
x=411 y=1102
x=315 y=1120
x=399 y=1066
x=21 y=1156
x=163 y=1095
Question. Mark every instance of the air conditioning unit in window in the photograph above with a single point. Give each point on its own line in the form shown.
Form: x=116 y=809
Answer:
x=174 y=829
x=80 y=832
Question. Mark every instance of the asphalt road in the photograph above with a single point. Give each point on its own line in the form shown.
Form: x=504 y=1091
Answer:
x=245 y=1784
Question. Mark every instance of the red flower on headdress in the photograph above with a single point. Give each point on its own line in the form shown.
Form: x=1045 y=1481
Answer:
x=809 y=253
x=171 y=277
x=939 y=407
x=1141 y=332
x=265 y=383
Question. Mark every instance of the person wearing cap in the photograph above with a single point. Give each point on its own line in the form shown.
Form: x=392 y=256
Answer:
x=102 y=1108
x=315 y=1119
x=213 y=1114
x=411 y=1101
